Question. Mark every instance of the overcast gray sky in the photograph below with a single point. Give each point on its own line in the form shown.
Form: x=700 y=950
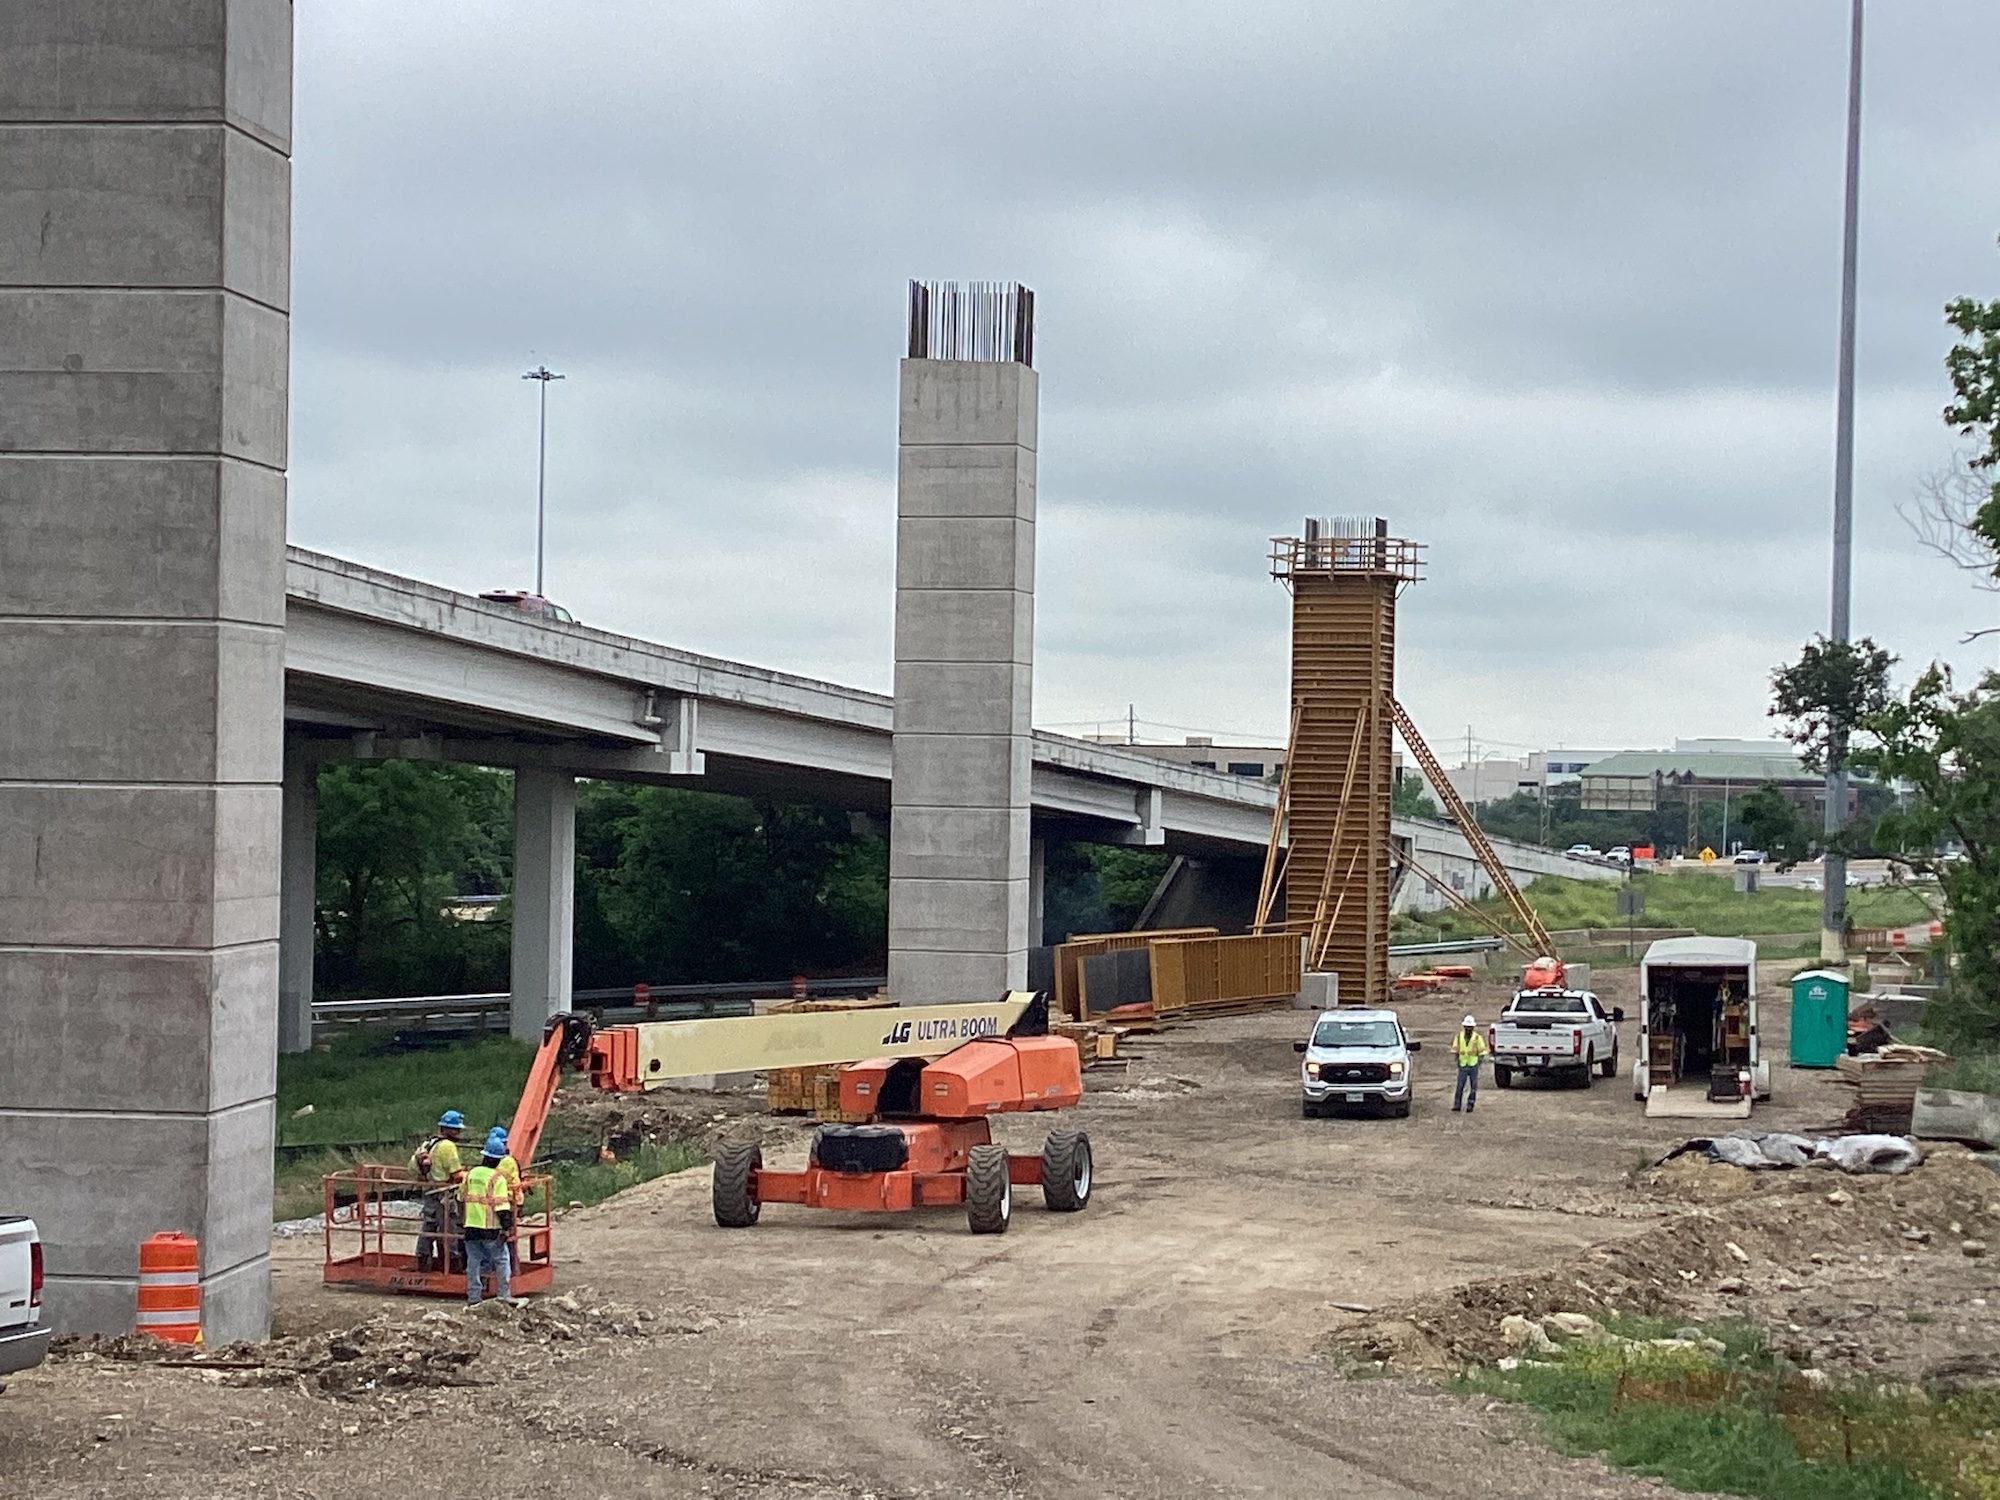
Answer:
x=1551 y=285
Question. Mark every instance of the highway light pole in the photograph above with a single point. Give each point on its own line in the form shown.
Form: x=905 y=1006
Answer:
x=544 y=374
x=1833 y=896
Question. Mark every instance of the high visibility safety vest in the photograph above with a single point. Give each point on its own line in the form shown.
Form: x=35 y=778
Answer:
x=443 y=1155
x=486 y=1196
x=1468 y=1049
x=511 y=1170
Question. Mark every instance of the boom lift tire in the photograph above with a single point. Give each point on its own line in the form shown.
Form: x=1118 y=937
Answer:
x=1066 y=1171
x=1503 y=1078
x=733 y=1189
x=989 y=1191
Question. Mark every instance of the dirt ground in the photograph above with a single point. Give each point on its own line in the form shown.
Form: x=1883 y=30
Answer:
x=1179 y=1338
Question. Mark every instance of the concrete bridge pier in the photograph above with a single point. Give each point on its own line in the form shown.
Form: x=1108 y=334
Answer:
x=143 y=372
x=544 y=897
x=297 y=897
x=963 y=753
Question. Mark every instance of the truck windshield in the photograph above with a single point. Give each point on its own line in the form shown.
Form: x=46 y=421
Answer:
x=1356 y=1034
x=1547 y=1005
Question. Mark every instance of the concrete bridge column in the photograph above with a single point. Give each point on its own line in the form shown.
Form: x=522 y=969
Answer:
x=297 y=899
x=965 y=628
x=544 y=897
x=144 y=282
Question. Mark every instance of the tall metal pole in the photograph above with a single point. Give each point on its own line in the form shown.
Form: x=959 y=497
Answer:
x=544 y=375
x=1833 y=898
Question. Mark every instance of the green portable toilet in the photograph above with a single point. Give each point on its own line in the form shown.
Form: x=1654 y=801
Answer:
x=1819 y=1018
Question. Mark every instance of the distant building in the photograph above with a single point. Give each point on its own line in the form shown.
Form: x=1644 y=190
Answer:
x=1202 y=753
x=1495 y=778
x=1696 y=771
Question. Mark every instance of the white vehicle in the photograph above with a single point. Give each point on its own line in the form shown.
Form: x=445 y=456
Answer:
x=1698 y=1020
x=1581 y=851
x=1620 y=852
x=1356 y=1058
x=1749 y=856
x=1554 y=1031
x=23 y=1341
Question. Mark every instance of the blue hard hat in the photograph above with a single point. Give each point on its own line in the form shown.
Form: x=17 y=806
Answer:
x=451 y=1119
x=496 y=1141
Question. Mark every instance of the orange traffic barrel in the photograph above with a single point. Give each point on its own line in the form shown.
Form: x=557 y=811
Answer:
x=170 y=1288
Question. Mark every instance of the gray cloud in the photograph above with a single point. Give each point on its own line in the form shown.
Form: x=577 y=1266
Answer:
x=1551 y=284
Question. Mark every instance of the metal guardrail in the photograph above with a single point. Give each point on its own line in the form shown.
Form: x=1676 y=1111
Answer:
x=661 y=1002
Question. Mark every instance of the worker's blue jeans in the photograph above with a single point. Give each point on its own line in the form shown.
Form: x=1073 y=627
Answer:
x=1467 y=1092
x=480 y=1257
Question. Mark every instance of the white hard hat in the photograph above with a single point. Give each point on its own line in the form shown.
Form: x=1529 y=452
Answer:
x=1472 y=1020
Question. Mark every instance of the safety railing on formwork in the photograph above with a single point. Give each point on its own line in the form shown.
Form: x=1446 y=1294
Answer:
x=387 y=1229
x=1396 y=557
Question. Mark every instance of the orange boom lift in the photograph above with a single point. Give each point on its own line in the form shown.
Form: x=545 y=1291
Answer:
x=925 y=1090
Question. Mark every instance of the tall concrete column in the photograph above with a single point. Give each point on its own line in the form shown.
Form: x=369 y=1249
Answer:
x=1038 y=864
x=145 y=225
x=298 y=899
x=959 y=895
x=544 y=897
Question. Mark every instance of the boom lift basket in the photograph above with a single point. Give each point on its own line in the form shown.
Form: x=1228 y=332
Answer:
x=373 y=1220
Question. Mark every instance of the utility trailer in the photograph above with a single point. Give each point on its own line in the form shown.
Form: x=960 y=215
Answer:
x=1698 y=1043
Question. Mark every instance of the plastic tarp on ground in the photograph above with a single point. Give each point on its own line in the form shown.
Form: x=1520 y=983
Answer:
x=1763 y=1151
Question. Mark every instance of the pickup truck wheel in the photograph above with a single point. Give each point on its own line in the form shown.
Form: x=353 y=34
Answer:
x=1402 y=1111
x=1308 y=1110
x=1503 y=1078
x=1583 y=1074
x=733 y=1191
x=989 y=1192
x=1610 y=1066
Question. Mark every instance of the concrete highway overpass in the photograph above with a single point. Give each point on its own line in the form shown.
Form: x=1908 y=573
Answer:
x=382 y=666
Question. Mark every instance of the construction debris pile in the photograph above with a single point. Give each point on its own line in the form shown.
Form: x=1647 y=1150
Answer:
x=434 y=1349
x=1885 y=1083
x=1795 y=1251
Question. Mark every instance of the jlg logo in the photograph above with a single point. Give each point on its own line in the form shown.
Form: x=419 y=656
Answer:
x=898 y=1034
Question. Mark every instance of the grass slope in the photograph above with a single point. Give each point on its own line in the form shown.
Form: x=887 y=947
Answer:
x=372 y=1100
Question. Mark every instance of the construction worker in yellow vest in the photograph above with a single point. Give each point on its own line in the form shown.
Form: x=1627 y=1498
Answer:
x=486 y=1194
x=1468 y=1046
x=496 y=1143
x=435 y=1163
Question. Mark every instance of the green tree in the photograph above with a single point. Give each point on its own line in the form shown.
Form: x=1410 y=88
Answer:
x=1410 y=800
x=1946 y=746
x=708 y=887
x=1974 y=367
x=398 y=840
x=1829 y=689
x=1775 y=825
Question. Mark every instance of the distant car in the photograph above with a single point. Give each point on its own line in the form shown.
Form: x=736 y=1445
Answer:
x=1749 y=856
x=1358 y=1058
x=1620 y=852
x=530 y=604
x=1581 y=851
x=1809 y=883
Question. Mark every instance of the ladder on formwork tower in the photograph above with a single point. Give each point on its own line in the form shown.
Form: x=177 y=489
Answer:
x=1474 y=835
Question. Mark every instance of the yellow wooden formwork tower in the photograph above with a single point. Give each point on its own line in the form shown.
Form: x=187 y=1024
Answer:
x=1338 y=780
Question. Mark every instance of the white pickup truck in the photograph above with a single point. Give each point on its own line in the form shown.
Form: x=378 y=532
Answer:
x=23 y=1340
x=1554 y=1031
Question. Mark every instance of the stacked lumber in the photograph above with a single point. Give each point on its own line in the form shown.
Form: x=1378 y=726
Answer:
x=1885 y=1084
x=814 y=1090
x=1095 y=1041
